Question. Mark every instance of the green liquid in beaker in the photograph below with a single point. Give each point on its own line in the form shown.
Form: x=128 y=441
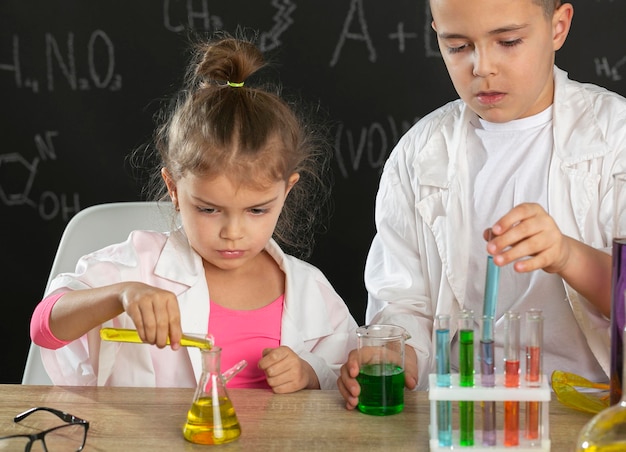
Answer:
x=382 y=389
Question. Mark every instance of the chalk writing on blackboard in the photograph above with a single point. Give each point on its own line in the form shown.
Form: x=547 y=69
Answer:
x=181 y=16
x=431 y=48
x=61 y=59
x=17 y=176
x=189 y=16
x=282 y=21
x=368 y=147
x=611 y=71
x=402 y=36
x=354 y=19
x=355 y=28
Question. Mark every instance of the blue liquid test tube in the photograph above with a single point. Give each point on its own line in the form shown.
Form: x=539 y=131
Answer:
x=444 y=407
x=492 y=281
x=488 y=379
x=466 y=375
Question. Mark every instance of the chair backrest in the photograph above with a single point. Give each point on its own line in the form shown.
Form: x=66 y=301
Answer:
x=89 y=230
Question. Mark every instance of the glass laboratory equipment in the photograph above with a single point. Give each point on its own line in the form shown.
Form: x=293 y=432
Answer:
x=618 y=286
x=212 y=418
x=444 y=407
x=466 y=375
x=606 y=431
x=381 y=374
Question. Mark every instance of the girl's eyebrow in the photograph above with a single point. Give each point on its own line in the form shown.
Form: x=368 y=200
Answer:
x=209 y=203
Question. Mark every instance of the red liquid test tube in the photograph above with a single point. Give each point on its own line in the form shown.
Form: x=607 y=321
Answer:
x=511 y=376
x=534 y=344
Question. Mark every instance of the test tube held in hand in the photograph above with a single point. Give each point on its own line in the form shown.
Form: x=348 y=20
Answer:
x=488 y=379
x=466 y=375
x=534 y=368
x=492 y=280
x=511 y=376
x=444 y=407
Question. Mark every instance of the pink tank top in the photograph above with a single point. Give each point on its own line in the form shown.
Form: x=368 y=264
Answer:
x=244 y=335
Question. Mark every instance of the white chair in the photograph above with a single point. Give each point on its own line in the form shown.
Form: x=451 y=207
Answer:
x=89 y=230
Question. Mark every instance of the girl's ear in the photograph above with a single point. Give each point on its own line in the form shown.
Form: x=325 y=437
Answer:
x=293 y=179
x=171 y=186
x=561 y=23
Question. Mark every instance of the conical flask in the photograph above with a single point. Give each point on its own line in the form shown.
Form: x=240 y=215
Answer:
x=212 y=418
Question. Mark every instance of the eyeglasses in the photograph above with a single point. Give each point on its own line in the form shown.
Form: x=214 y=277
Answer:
x=67 y=437
x=565 y=384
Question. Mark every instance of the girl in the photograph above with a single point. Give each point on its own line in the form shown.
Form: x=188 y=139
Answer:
x=245 y=175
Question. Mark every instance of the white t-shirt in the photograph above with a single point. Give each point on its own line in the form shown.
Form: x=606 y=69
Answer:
x=509 y=165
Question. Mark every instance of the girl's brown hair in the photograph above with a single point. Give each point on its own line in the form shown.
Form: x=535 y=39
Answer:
x=222 y=124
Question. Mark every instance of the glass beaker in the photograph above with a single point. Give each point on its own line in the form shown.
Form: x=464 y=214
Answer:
x=381 y=373
x=212 y=418
x=618 y=286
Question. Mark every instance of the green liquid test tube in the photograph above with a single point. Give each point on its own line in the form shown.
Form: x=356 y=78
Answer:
x=466 y=377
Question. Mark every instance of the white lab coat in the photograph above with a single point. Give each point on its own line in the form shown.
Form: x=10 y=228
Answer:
x=316 y=323
x=417 y=264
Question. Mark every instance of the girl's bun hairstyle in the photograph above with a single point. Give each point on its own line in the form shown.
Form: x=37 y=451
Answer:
x=223 y=123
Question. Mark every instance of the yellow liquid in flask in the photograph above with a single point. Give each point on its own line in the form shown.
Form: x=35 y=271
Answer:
x=211 y=423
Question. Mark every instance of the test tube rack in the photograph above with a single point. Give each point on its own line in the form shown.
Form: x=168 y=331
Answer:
x=498 y=393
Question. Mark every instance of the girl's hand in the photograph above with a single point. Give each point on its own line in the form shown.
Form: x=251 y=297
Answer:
x=155 y=313
x=528 y=236
x=286 y=372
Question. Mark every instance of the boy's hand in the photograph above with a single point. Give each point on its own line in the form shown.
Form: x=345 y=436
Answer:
x=347 y=384
x=286 y=372
x=154 y=312
x=531 y=238
x=350 y=388
x=528 y=236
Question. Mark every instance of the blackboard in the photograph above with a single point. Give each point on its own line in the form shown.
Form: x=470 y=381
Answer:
x=81 y=81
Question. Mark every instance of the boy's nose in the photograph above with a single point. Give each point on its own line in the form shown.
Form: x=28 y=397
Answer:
x=484 y=64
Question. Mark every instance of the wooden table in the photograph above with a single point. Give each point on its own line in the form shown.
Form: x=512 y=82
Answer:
x=151 y=419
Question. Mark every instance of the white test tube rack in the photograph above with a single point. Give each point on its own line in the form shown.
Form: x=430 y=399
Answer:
x=498 y=393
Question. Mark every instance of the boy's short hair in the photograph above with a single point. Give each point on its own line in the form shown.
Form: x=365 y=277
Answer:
x=548 y=6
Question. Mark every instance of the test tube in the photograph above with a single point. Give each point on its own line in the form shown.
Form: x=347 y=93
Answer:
x=534 y=344
x=487 y=379
x=511 y=376
x=444 y=407
x=466 y=377
x=492 y=279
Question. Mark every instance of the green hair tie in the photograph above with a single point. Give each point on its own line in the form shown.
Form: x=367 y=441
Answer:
x=235 y=84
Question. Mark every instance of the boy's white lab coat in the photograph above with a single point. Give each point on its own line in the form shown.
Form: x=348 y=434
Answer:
x=417 y=264
x=316 y=323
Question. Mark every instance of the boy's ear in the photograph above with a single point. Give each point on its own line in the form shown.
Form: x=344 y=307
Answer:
x=561 y=23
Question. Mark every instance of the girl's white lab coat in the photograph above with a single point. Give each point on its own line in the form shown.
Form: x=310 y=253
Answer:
x=417 y=264
x=316 y=323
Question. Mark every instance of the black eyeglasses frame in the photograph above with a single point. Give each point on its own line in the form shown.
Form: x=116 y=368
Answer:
x=70 y=420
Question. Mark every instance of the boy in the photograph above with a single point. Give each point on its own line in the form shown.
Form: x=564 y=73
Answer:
x=525 y=152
